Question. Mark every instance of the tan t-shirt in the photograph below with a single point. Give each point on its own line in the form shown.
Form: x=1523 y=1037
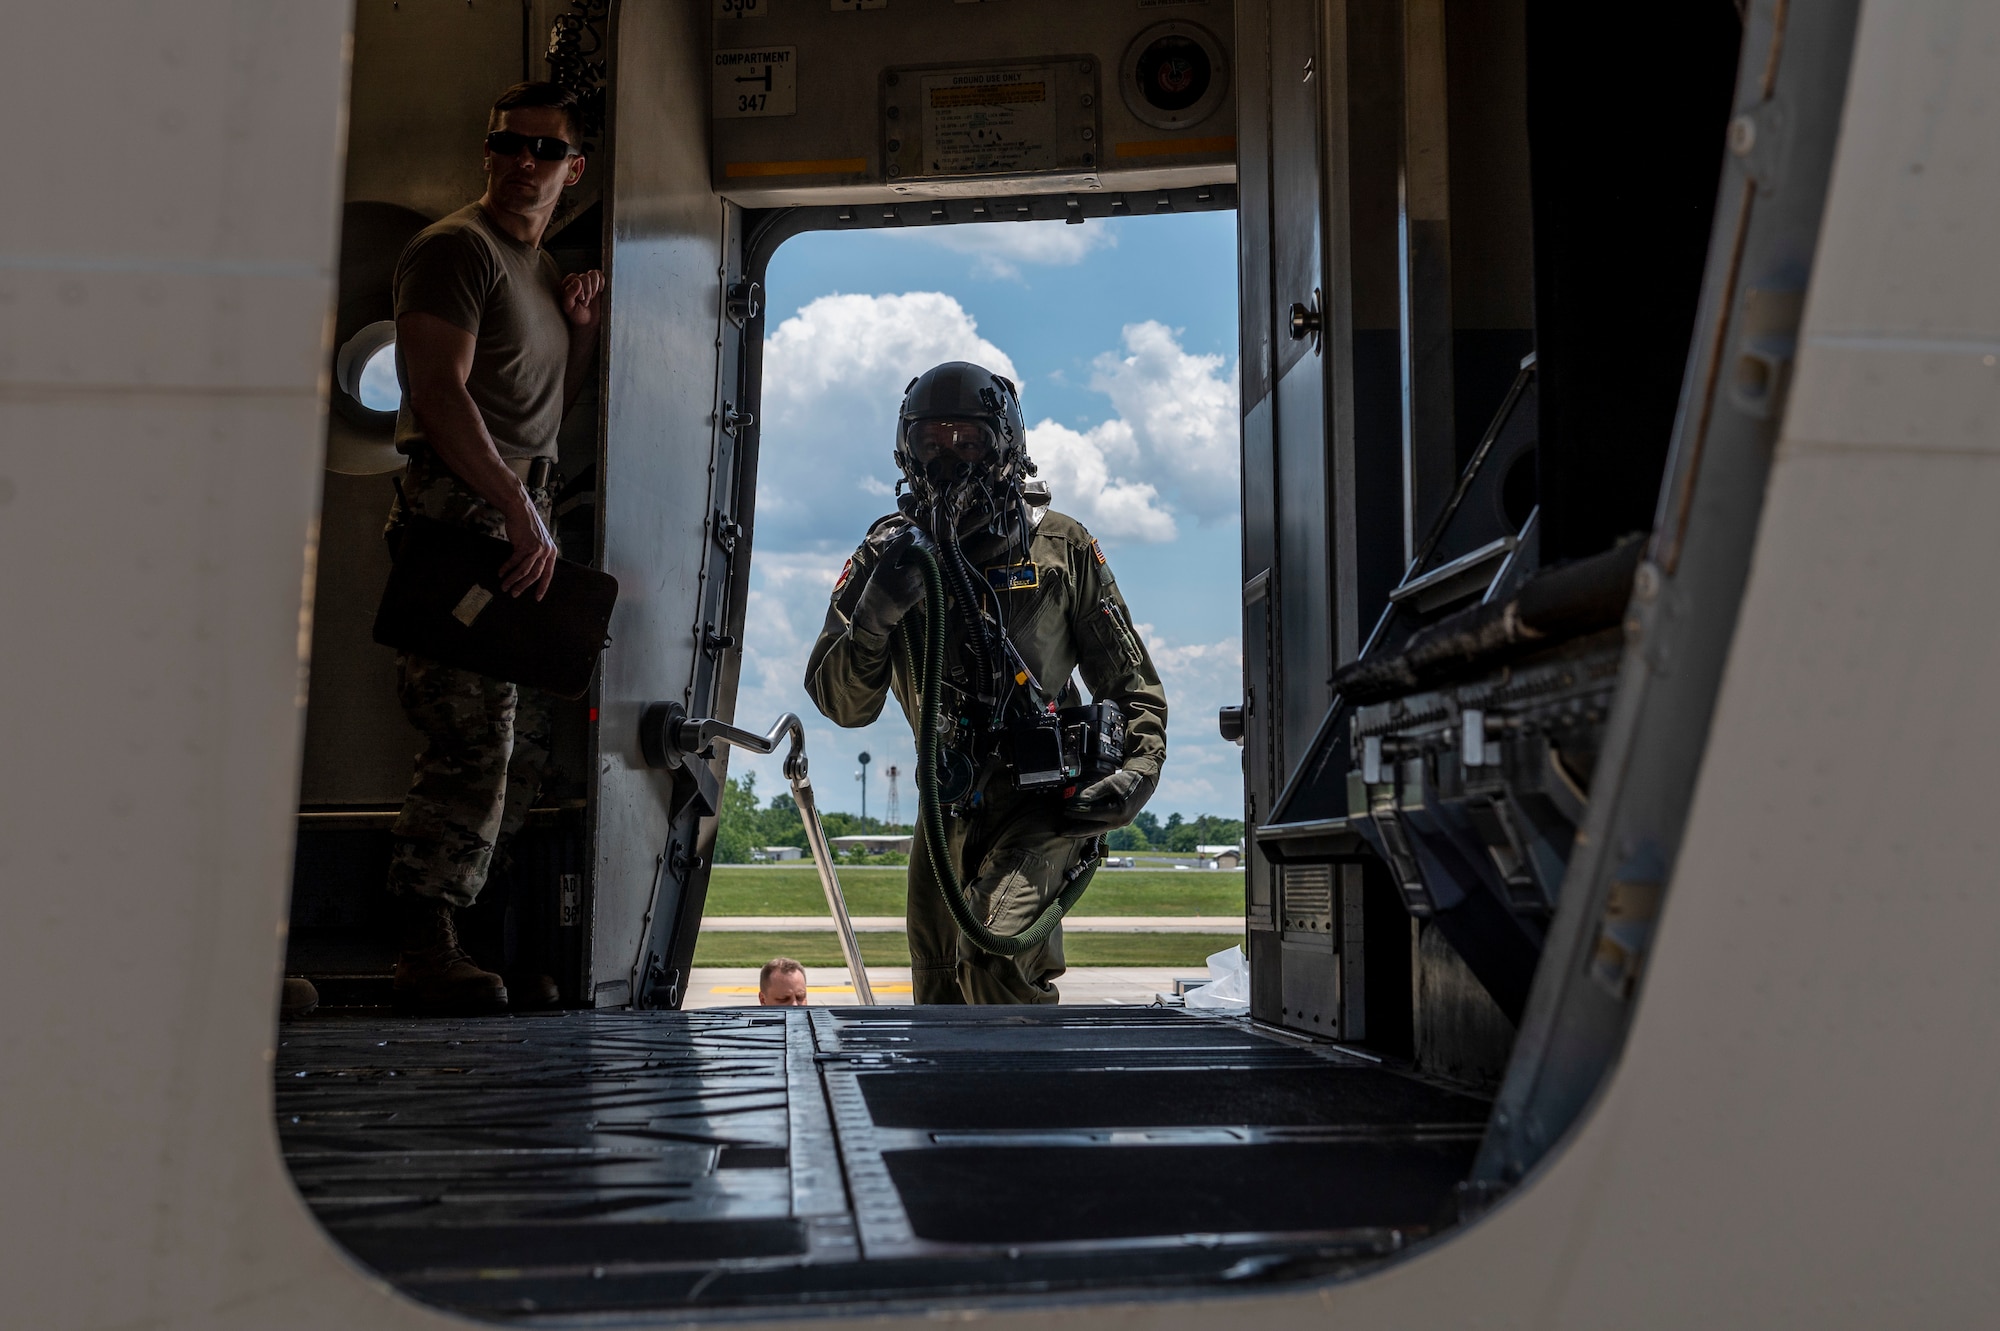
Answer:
x=468 y=272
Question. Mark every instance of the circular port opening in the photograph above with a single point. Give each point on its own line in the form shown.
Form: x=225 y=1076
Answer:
x=365 y=369
x=1174 y=76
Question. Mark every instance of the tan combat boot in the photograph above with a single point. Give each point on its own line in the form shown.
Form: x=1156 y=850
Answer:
x=531 y=991
x=298 y=998
x=434 y=974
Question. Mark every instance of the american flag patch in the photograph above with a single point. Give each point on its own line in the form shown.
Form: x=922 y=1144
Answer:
x=846 y=572
x=1097 y=550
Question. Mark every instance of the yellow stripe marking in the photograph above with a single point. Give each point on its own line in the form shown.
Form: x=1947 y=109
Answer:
x=831 y=166
x=994 y=95
x=1223 y=143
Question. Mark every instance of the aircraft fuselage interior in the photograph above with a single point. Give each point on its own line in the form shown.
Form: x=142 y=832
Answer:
x=1520 y=287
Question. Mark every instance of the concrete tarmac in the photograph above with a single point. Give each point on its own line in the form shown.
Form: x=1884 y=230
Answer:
x=893 y=924
x=828 y=986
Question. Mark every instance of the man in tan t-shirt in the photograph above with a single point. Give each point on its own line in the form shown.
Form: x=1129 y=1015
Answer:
x=492 y=343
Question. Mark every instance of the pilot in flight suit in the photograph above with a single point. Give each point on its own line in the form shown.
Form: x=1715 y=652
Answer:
x=1062 y=613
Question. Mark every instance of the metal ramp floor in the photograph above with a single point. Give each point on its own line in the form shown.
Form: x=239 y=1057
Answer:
x=550 y=1166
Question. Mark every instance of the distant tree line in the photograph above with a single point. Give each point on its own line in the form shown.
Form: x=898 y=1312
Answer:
x=1176 y=836
x=746 y=826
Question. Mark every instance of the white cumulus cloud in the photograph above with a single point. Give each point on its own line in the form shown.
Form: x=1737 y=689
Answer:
x=856 y=343
x=834 y=375
x=1204 y=771
x=1001 y=249
x=1078 y=468
x=1182 y=412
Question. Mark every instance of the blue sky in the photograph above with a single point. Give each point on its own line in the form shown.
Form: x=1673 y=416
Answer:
x=1122 y=335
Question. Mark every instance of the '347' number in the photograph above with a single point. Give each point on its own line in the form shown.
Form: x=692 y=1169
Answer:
x=751 y=101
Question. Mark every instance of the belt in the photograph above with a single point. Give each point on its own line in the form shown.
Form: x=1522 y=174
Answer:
x=532 y=472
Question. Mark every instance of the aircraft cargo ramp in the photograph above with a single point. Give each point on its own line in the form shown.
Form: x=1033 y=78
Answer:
x=582 y=1163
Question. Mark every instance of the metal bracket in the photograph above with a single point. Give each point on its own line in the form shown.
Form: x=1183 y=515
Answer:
x=670 y=738
x=659 y=744
x=1768 y=340
x=744 y=302
x=658 y=979
x=1759 y=138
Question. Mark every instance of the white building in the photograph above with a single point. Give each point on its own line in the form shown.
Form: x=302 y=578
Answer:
x=769 y=854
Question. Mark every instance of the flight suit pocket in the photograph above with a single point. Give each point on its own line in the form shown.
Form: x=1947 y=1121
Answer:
x=1016 y=895
x=1116 y=632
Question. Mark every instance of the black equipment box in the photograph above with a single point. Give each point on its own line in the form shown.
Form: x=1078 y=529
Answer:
x=1067 y=748
x=444 y=601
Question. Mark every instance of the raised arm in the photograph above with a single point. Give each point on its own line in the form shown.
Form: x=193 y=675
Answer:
x=1116 y=667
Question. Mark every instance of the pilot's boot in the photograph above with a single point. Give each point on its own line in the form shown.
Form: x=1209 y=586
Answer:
x=531 y=991
x=434 y=974
x=298 y=998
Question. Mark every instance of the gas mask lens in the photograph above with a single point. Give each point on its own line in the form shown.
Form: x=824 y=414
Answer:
x=968 y=441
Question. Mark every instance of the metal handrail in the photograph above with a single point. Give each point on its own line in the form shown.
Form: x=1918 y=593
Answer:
x=695 y=734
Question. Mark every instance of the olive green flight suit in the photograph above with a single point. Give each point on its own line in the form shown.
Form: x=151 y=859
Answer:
x=1010 y=849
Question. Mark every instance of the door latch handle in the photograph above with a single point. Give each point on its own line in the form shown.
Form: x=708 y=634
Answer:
x=1306 y=321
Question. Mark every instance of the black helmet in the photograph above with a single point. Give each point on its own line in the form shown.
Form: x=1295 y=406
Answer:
x=994 y=448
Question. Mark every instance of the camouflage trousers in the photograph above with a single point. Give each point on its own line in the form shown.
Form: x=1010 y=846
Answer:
x=1011 y=864
x=485 y=741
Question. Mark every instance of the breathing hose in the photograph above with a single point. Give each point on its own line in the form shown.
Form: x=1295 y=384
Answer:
x=930 y=818
x=983 y=651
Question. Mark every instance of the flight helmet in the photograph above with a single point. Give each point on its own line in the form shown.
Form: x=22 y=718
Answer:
x=960 y=427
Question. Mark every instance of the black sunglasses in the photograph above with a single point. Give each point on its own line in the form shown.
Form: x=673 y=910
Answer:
x=545 y=148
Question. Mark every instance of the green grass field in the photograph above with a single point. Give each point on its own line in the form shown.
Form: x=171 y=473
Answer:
x=795 y=890
x=823 y=949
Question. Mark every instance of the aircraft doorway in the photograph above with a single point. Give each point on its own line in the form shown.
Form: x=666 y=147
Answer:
x=1121 y=332
x=594 y=1162
x=643 y=1160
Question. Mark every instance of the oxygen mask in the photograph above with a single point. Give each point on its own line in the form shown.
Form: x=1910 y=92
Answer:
x=952 y=467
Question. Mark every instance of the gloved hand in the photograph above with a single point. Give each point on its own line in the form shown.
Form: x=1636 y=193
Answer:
x=896 y=585
x=1111 y=802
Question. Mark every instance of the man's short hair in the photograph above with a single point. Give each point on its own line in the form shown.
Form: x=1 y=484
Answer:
x=776 y=966
x=540 y=94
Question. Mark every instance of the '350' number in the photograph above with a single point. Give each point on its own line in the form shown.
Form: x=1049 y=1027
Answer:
x=741 y=8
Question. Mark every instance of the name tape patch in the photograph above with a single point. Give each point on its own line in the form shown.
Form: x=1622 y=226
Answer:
x=1013 y=577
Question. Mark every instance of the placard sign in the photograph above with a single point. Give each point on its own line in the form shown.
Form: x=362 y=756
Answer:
x=991 y=121
x=756 y=83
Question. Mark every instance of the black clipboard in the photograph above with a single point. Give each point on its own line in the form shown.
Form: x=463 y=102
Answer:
x=444 y=601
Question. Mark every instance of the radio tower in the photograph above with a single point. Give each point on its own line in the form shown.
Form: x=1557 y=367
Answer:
x=895 y=803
